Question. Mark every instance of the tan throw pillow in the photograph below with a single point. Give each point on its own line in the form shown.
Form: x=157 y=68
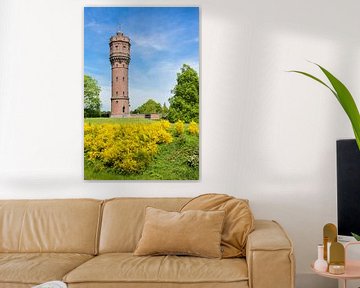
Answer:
x=239 y=220
x=196 y=233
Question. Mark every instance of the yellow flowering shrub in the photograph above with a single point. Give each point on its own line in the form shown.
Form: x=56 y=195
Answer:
x=179 y=127
x=193 y=128
x=126 y=148
x=165 y=124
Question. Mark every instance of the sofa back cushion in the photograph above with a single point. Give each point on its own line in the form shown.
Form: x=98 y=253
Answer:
x=66 y=226
x=193 y=232
x=238 y=224
x=123 y=220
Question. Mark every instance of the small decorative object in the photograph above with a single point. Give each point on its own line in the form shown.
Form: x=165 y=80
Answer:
x=320 y=264
x=341 y=267
x=327 y=249
x=330 y=236
x=336 y=269
x=337 y=258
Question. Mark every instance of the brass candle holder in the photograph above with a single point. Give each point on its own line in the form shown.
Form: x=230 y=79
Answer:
x=329 y=236
x=334 y=252
x=337 y=258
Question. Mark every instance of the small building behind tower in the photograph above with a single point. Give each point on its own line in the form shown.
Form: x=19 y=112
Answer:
x=120 y=59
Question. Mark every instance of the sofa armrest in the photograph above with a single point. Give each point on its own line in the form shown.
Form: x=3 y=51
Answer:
x=269 y=256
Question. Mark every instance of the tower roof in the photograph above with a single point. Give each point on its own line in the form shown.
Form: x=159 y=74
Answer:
x=120 y=37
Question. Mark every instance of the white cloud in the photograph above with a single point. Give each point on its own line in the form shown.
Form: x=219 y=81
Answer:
x=157 y=82
x=158 y=41
x=105 y=97
x=192 y=40
x=100 y=28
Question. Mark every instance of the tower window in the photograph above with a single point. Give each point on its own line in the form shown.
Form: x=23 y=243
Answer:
x=123 y=65
x=116 y=78
x=124 y=46
x=116 y=92
x=123 y=78
x=123 y=109
x=116 y=46
x=116 y=65
x=123 y=93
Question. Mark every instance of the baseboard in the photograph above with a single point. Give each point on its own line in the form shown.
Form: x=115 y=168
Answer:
x=310 y=280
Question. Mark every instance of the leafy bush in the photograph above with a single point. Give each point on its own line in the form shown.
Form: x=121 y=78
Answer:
x=105 y=114
x=92 y=102
x=149 y=107
x=124 y=148
x=184 y=104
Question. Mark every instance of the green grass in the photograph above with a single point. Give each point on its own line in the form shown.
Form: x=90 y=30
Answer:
x=174 y=161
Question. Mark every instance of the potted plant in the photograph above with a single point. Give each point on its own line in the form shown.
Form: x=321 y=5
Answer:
x=345 y=99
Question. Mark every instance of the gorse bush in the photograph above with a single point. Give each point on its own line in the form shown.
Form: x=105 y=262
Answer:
x=165 y=124
x=124 y=148
x=179 y=127
x=193 y=128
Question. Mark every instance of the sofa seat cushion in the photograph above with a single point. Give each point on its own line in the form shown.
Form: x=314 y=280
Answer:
x=242 y=284
x=127 y=268
x=36 y=268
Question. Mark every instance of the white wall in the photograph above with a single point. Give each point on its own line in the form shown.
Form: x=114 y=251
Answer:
x=266 y=135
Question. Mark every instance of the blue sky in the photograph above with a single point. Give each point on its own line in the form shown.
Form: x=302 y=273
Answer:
x=162 y=39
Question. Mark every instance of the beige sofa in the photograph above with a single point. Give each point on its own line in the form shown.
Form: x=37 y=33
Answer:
x=89 y=243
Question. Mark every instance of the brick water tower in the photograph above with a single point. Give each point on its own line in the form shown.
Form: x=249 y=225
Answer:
x=119 y=59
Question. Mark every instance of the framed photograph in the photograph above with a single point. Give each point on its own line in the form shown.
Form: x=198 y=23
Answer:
x=141 y=93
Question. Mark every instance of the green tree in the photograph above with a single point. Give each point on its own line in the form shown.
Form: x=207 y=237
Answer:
x=92 y=102
x=184 y=104
x=149 y=107
x=164 y=110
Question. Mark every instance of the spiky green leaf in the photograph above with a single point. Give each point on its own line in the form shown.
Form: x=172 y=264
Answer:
x=356 y=236
x=347 y=102
x=316 y=79
x=344 y=97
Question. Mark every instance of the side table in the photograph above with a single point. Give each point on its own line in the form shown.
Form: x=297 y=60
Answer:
x=352 y=269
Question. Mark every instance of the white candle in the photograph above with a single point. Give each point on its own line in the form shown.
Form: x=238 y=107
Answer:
x=328 y=252
x=336 y=269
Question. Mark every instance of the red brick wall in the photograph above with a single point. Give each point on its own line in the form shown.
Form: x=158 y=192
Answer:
x=120 y=59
